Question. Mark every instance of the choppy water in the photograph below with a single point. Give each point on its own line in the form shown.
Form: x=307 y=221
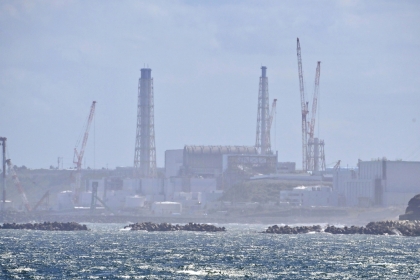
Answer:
x=106 y=252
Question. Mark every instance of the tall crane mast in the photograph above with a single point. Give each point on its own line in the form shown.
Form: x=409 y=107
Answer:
x=315 y=101
x=273 y=110
x=304 y=109
x=315 y=149
x=18 y=185
x=270 y=121
x=78 y=156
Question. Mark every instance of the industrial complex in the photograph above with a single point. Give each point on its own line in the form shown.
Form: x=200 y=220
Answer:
x=195 y=178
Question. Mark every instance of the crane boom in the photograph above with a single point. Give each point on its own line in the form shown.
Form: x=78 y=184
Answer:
x=44 y=197
x=315 y=101
x=270 y=121
x=78 y=156
x=18 y=185
x=273 y=110
x=304 y=109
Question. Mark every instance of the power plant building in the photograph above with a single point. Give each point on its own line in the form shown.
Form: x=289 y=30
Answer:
x=209 y=160
x=378 y=183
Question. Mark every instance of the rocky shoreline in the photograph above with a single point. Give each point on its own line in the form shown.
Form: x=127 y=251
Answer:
x=404 y=228
x=49 y=226
x=149 y=226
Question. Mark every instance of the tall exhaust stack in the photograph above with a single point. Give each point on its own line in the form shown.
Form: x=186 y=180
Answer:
x=262 y=141
x=145 y=150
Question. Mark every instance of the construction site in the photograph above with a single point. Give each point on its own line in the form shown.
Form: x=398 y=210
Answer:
x=213 y=180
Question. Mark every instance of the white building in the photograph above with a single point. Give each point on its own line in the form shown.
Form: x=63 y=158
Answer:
x=308 y=196
x=134 y=202
x=166 y=208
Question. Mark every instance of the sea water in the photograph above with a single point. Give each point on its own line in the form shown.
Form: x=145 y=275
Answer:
x=108 y=252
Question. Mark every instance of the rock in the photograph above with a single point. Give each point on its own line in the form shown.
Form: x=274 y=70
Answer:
x=148 y=226
x=50 y=226
x=412 y=212
x=295 y=230
x=405 y=228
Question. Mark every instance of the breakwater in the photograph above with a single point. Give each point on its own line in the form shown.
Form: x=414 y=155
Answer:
x=292 y=230
x=405 y=228
x=149 y=226
x=54 y=226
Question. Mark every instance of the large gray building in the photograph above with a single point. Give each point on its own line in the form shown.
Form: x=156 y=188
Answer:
x=378 y=183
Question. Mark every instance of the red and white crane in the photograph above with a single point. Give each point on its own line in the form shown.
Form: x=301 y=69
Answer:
x=304 y=110
x=78 y=156
x=18 y=185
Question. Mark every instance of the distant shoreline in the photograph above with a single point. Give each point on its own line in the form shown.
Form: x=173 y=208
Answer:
x=351 y=216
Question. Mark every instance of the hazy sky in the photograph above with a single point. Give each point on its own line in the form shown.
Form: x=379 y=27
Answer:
x=56 y=57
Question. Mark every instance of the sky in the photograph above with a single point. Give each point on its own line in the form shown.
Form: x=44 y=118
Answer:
x=56 y=57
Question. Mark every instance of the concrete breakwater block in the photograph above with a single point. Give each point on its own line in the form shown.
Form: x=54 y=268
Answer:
x=405 y=228
x=51 y=226
x=292 y=230
x=148 y=226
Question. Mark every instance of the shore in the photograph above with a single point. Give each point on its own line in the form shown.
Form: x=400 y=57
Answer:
x=297 y=216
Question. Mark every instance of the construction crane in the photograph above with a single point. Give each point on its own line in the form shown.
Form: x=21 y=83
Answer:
x=78 y=156
x=273 y=110
x=337 y=165
x=18 y=185
x=315 y=101
x=45 y=197
x=304 y=109
x=270 y=121
x=315 y=156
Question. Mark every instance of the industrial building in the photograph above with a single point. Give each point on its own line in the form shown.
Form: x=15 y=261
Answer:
x=378 y=183
x=308 y=196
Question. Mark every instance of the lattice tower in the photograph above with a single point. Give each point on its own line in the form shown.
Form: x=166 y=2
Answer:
x=262 y=139
x=145 y=150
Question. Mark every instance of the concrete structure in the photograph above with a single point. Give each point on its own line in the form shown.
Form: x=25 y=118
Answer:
x=174 y=159
x=151 y=186
x=145 y=150
x=203 y=184
x=208 y=160
x=286 y=167
x=65 y=200
x=208 y=197
x=378 y=183
x=308 y=196
x=166 y=208
x=134 y=202
x=250 y=164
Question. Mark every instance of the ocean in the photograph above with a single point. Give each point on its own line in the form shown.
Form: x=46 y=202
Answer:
x=109 y=252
